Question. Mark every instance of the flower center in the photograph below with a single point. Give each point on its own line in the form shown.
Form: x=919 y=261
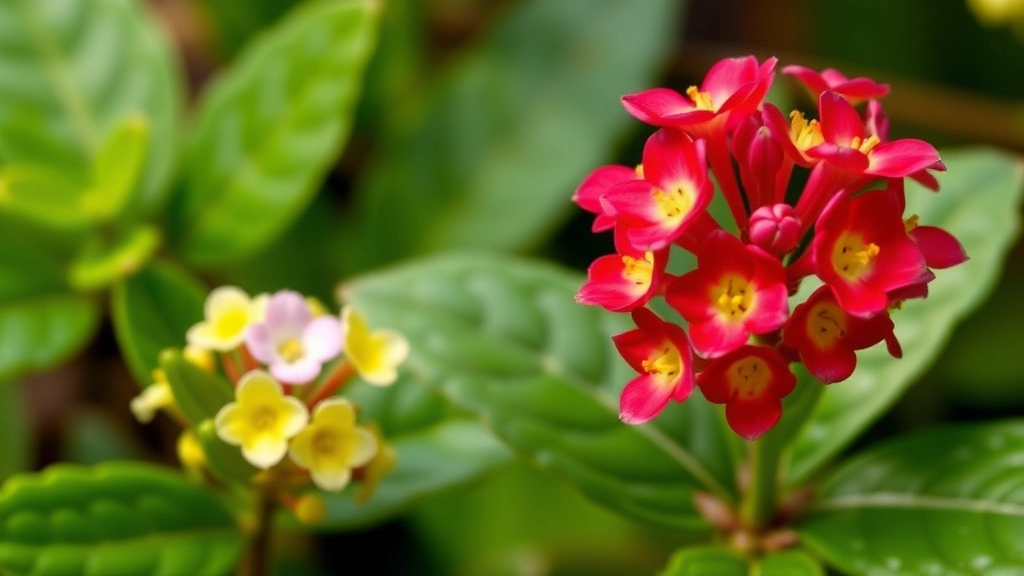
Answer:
x=803 y=133
x=749 y=377
x=865 y=145
x=231 y=322
x=325 y=443
x=638 y=271
x=673 y=204
x=702 y=100
x=852 y=258
x=826 y=324
x=263 y=419
x=733 y=297
x=291 y=350
x=665 y=364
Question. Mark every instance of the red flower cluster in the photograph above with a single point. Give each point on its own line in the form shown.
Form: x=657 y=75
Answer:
x=847 y=228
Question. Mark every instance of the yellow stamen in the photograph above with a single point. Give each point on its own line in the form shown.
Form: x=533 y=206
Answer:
x=749 y=377
x=864 y=145
x=803 y=133
x=702 y=100
x=638 y=271
x=673 y=204
x=911 y=223
x=826 y=324
x=733 y=297
x=291 y=350
x=851 y=257
x=665 y=366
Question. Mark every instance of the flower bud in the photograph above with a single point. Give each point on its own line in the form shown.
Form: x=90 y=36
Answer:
x=310 y=509
x=775 y=228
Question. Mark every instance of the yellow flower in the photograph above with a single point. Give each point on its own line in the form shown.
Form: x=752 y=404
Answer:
x=375 y=355
x=154 y=397
x=200 y=357
x=995 y=12
x=229 y=311
x=332 y=445
x=261 y=420
x=190 y=451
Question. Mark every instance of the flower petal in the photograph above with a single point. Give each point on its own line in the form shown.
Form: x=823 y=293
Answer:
x=321 y=340
x=642 y=399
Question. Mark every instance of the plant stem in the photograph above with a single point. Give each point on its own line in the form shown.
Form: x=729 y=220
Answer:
x=758 y=507
x=257 y=556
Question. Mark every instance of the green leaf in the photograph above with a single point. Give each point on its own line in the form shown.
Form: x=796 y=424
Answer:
x=151 y=311
x=945 y=501
x=116 y=518
x=41 y=321
x=523 y=118
x=789 y=563
x=978 y=202
x=102 y=261
x=269 y=129
x=119 y=162
x=43 y=195
x=225 y=461
x=504 y=340
x=16 y=441
x=73 y=71
x=430 y=460
x=234 y=22
x=198 y=394
x=706 y=561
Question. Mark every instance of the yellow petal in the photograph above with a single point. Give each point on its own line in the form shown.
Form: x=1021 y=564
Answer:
x=264 y=450
x=375 y=355
x=155 y=397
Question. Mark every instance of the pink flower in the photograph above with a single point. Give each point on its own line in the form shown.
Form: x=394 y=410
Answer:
x=751 y=381
x=826 y=337
x=660 y=352
x=855 y=90
x=625 y=280
x=862 y=251
x=597 y=184
x=737 y=290
x=674 y=191
x=291 y=342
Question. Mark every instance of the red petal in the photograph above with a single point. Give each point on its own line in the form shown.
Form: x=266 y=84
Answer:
x=597 y=183
x=840 y=123
x=940 y=248
x=902 y=157
x=643 y=399
x=810 y=78
x=654 y=105
x=751 y=418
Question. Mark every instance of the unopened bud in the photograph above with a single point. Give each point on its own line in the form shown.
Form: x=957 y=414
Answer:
x=310 y=509
x=190 y=451
x=775 y=228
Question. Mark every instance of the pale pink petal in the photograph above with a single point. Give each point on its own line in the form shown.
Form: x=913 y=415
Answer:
x=321 y=340
x=260 y=343
x=287 y=315
x=300 y=372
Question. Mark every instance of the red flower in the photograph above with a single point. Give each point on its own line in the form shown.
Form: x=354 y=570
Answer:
x=751 y=381
x=660 y=352
x=855 y=90
x=597 y=184
x=675 y=189
x=862 y=251
x=737 y=290
x=731 y=84
x=623 y=281
x=826 y=337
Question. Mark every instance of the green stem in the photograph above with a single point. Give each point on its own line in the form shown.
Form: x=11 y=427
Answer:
x=758 y=506
x=257 y=556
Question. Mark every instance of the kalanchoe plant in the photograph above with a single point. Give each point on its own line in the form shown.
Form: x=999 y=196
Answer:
x=846 y=229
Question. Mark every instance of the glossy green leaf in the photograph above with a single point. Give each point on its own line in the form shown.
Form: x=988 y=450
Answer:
x=946 y=501
x=42 y=195
x=102 y=262
x=430 y=460
x=115 y=172
x=268 y=130
x=116 y=518
x=73 y=71
x=978 y=202
x=523 y=118
x=706 y=561
x=503 y=339
x=789 y=563
x=198 y=394
x=151 y=311
x=16 y=441
x=225 y=461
